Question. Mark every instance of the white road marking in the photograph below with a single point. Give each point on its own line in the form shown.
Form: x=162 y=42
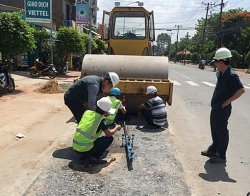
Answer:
x=208 y=83
x=192 y=83
x=176 y=83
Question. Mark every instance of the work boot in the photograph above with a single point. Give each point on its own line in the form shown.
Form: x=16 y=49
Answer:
x=217 y=160
x=93 y=160
x=209 y=153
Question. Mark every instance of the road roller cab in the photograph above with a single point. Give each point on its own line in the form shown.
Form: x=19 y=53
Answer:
x=128 y=32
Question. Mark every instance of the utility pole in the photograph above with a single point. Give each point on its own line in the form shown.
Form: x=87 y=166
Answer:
x=185 y=50
x=176 y=46
x=90 y=27
x=169 y=44
x=203 y=34
x=220 y=40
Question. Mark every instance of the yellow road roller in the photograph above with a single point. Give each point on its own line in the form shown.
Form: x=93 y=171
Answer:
x=129 y=32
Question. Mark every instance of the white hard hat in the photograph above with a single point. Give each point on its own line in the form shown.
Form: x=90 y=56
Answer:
x=222 y=54
x=104 y=104
x=151 y=90
x=114 y=78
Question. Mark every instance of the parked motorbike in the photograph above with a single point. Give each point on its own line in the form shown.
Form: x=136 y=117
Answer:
x=63 y=68
x=6 y=80
x=40 y=69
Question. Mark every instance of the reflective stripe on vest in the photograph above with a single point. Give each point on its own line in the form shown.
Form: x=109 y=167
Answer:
x=84 y=139
x=115 y=105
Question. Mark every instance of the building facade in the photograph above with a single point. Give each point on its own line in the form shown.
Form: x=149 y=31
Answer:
x=63 y=11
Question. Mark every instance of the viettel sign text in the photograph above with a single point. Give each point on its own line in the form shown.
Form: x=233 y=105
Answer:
x=38 y=11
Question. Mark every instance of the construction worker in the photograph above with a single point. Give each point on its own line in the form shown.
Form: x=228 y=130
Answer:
x=86 y=90
x=116 y=105
x=228 y=88
x=86 y=140
x=154 y=110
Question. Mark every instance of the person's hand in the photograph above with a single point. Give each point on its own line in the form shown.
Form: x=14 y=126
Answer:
x=141 y=106
x=225 y=104
x=106 y=114
x=118 y=127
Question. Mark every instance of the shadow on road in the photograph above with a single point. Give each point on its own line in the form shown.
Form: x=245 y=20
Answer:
x=215 y=173
x=65 y=153
x=82 y=166
x=4 y=92
x=76 y=163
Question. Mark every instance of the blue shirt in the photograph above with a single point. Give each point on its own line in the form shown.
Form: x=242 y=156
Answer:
x=227 y=85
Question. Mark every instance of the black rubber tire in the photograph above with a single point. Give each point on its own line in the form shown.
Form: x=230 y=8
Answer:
x=51 y=74
x=33 y=73
x=11 y=87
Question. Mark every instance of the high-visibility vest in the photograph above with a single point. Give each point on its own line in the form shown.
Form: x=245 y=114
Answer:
x=115 y=105
x=86 y=132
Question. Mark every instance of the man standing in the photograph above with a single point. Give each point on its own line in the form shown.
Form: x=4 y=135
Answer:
x=86 y=90
x=228 y=89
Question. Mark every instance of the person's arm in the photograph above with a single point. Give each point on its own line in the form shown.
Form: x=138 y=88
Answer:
x=93 y=90
x=122 y=108
x=110 y=132
x=142 y=106
x=234 y=97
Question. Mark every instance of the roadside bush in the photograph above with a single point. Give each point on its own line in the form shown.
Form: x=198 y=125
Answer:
x=194 y=58
x=247 y=60
x=235 y=58
x=188 y=56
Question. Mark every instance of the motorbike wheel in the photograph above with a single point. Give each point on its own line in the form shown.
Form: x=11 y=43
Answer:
x=51 y=74
x=11 y=87
x=33 y=73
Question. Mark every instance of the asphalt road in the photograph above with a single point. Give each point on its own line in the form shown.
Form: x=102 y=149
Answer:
x=189 y=115
x=167 y=162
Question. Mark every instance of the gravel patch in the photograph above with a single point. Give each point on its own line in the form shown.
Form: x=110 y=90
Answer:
x=155 y=169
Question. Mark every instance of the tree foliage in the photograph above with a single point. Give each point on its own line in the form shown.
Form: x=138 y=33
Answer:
x=235 y=58
x=163 y=41
x=101 y=47
x=69 y=41
x=16 y=35
x=248 y=59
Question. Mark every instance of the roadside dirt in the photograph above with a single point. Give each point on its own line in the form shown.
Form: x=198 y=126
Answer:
x=34 y=101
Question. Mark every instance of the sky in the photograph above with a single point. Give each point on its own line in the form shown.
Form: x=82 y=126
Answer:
x=168 y=14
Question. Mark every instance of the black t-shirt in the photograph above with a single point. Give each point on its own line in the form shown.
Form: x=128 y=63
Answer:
x=103 y=126
x=78 y=92
x=227 y=85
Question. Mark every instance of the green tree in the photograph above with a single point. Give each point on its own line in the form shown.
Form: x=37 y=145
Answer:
x=162 y=41
x=85 y=38
x=194 y=58
x=69 y=41
x=235 y=58
x=101 y=47
x=247 y=59
x=16 y=36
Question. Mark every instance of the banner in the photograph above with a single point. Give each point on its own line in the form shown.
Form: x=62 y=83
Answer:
x=82 y=13
x=38 y=11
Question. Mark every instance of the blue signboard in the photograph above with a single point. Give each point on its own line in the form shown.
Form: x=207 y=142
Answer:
x=38 y=11
x=82 y=13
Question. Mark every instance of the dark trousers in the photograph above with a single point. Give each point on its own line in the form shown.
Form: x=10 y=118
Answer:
x=76 y=108
x=100 y=145
x=220 y=135
x=148 y=117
